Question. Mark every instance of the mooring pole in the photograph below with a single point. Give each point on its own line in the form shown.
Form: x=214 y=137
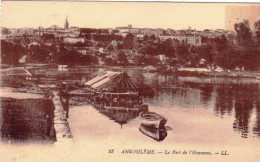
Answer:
x=67 y=106
x=67 y=101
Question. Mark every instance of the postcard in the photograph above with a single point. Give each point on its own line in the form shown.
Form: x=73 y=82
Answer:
x=129 y=81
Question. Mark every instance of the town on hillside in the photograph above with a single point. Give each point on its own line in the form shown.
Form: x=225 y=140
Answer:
x=129 y=46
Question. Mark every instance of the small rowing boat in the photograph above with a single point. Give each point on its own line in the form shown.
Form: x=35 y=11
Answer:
x=152 y=118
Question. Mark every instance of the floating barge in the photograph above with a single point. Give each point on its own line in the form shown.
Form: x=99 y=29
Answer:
x=113 y=90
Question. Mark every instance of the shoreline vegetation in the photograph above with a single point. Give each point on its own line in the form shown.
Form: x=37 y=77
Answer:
x=184 y=72
x=251 y=75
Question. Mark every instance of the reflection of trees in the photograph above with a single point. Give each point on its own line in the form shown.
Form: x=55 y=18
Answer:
x=244 y=103
x=205 y=93
x=190 y=92
x=224 y=99
x=256 y=129
x=243 y=98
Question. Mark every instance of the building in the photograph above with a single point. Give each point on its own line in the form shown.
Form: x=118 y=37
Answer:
x=124 y=29
x=157 y=32
x=146 y=31
x=124 y=34
x=134 y=30
x=140 y=36
x=106 y=31
x=74 y=29
x=73 y=40
x=191 y=39
x=206 y=33
x=164 y=37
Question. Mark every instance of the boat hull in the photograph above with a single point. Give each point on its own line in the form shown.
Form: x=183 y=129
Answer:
x=151 y=118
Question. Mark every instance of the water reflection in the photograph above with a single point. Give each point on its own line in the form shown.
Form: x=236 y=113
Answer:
x=224 y=99
x=244 y=103
x=256 y=129
x=120 y=116
x=206 y=93
x=239 y=98
x=157 y=133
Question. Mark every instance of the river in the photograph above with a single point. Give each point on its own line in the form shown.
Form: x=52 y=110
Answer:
x=210 y=113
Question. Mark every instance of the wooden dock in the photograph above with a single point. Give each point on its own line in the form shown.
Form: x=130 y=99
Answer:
x=61 y=125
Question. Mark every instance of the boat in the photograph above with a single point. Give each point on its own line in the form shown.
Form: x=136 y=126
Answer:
x=152 y=131
x=152 y=118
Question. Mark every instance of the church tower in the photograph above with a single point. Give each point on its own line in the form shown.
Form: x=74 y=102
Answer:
x=66 y=25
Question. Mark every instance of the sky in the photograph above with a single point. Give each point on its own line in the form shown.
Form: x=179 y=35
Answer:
x=235 y=14
x=113 y=14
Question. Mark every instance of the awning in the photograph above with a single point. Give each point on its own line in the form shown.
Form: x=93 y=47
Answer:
x=119 y=82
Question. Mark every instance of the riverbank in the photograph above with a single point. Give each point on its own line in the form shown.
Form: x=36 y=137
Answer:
x=198 y=72
x=184 y=72
x=27 y=116
x=253 y=75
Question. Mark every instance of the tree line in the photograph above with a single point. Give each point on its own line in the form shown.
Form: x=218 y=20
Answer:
x=243 y=54
x=12 y=52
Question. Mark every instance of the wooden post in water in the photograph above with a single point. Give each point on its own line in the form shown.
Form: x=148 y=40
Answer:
x=66 y=106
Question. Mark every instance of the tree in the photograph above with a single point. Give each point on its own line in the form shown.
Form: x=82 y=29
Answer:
x=139 y=60
x=92 y=59
x=146 y=37
x=4 y=30
x=151 y=50
x=46 y=37
x=38 y=54
x=110 y=48
x=119 y=46
x=122 y=58
x=244 y=34
x=128 y=42
x=257 y=31
x=248 y=54
x=227 y=59
x=108 y=61
x=225 y=56
x=11 y=53
x=182 y=52
x=221 y=43
x=151 y=61
x=209 y=53
x=167 y=48
x=152 y=37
